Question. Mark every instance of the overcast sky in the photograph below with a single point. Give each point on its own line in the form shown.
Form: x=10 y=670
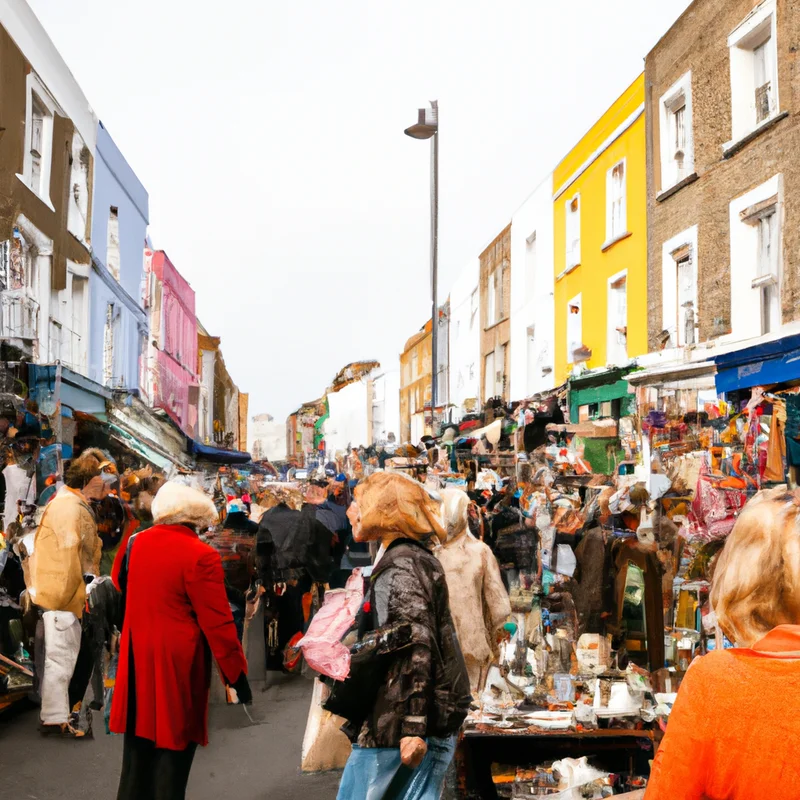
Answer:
x=270 y=138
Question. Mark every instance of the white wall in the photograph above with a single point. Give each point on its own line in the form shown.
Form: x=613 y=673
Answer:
x=386 y=406
x=465 y=341
x=271 y=434
x=17 y=17
x=532 y=305
x=348 y=423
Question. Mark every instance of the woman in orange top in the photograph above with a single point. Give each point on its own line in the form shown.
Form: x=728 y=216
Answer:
x=734 y=732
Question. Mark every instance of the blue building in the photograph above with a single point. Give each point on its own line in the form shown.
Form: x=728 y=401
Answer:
x=117 y=320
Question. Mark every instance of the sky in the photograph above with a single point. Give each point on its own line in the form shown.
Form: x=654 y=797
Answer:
x=269 y=135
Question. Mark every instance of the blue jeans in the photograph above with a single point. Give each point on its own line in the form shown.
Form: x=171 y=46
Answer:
x=376 y=773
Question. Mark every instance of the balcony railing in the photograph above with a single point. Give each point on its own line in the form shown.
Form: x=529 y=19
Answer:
x=19 y=315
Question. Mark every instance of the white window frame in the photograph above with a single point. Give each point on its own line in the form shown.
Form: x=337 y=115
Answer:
x=491 y=300
x=678 y=96
x=575 y=301
x=572 y=237
x=672 y=318
x=748 y=283
x=759 y=25
x=617 y=344
x=612 y=233
x=45 y=99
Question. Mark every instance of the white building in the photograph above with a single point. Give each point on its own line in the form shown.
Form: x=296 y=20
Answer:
x=465 y=341
x=349 y=423
x=386 y=407
x=267 y=438
x=532 y=281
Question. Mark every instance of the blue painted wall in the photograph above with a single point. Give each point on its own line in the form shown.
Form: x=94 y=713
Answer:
x=116 y=184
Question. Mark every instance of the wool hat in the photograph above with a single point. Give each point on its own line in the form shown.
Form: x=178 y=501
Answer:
x=179 y=504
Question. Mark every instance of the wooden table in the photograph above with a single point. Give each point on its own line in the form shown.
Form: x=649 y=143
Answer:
x=609 y=749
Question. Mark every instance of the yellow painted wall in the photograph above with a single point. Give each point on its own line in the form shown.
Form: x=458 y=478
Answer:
x=591 y=277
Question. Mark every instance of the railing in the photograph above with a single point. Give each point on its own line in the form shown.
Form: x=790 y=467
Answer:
x=19 y=315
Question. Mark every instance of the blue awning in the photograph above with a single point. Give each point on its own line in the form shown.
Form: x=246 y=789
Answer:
x=217 y=454
x=761 y=365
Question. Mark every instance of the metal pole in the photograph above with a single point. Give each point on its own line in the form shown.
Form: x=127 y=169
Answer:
x=434 y=265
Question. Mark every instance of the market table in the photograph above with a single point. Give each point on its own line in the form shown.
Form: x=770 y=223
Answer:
x=613 y=750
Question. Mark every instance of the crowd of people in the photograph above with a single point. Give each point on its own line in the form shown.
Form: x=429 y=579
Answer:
x=123 y=577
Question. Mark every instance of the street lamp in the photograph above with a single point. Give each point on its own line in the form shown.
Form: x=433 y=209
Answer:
x=427 y=127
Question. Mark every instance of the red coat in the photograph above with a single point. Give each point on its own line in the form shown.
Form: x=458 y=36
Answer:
x=175 y=606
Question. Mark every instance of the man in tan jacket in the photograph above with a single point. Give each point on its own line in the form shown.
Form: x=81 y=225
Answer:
x=66 y=550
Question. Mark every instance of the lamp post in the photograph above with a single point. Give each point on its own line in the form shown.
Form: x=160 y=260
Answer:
x=427 y=127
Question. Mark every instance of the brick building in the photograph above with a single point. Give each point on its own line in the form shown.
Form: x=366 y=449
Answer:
x=723 y=175
x=495 y=297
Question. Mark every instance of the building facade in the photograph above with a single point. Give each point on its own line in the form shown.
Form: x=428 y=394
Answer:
x=415 y=386
x=267 y=438
x=118 y=321
x=721 y=177
x=495 y=296
x=532 y=286
x=47 y=160
x=386 y=407
x=465 y=342
x=169 y=377
x=600 y=242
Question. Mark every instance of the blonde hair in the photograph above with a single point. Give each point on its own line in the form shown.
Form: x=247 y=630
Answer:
x=756 y=583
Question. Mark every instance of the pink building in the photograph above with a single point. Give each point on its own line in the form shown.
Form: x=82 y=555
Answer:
x=169 y=374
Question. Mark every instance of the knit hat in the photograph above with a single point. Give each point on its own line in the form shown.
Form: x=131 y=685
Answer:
x=179 y=504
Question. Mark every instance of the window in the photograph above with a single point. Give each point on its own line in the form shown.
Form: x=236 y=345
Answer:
x=616 y=202
x=617 y=320
x=112 y=256
x=679 y=290
x=489 y=376
x=531 y=259
x=108 y=346
x=574 y=328
x=37 y=143
x=56 y=338
x=38 y=150
x=754 y=70
x=755 y=256
x=762 y=56
x=766 y=281
x=491 y=301
x=473 y=309
x=573 y=232
x=677 y=142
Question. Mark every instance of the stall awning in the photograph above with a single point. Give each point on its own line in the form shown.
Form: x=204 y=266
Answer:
x=217 y=454
x=670 y=373
x=761 y=365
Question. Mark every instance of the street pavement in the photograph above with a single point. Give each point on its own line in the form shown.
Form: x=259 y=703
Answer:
x=244 y=761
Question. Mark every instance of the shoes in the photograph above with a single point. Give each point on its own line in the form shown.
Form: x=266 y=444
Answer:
x=64 y=731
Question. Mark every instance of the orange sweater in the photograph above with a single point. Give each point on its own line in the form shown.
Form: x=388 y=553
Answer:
x=734 y=732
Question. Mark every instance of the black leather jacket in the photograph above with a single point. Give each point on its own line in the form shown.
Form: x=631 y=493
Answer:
x=426 y=689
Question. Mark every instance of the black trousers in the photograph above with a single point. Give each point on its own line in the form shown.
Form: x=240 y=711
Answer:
x=152 y=773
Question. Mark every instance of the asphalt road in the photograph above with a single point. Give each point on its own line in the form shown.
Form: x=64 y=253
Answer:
x=244 y=761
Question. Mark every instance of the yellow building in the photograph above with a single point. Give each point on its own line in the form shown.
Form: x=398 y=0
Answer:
x=600 y=236
x=415 y=386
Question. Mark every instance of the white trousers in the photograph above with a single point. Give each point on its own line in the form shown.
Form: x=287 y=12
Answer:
x=62 y=642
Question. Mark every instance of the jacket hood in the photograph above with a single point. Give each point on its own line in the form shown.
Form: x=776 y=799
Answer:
x=178 y=504
x=456 y=504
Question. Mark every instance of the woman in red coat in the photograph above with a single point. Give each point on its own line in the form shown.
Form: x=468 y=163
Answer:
x=176 y=616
